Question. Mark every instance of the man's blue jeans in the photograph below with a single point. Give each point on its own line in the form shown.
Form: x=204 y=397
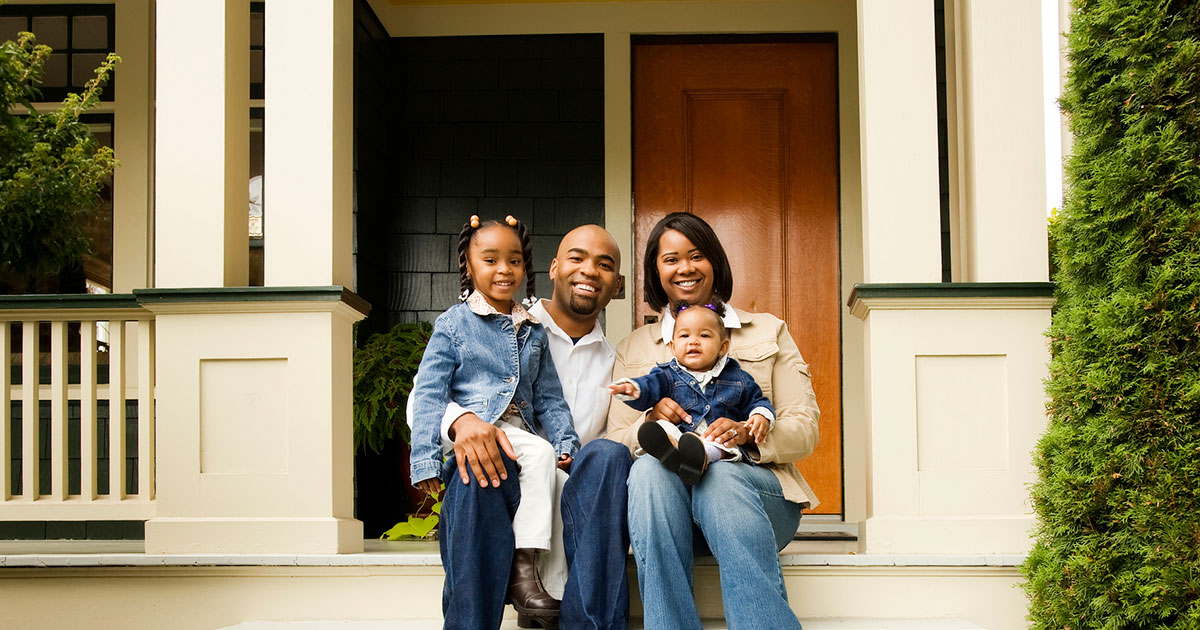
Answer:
x=738 y=512
x=477 y=543
x=596 y=538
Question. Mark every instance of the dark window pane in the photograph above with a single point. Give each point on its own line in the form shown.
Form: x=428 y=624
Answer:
x=10 y=26
x=55 y=72
x=90 y=31
x=83 y=67
x=51 y=30
x=257 y=29
x=256 y=66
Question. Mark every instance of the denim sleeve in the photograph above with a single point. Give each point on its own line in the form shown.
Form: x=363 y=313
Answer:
x=550 y=407
x=430 y=394
x=753 y=398
x=653 y=387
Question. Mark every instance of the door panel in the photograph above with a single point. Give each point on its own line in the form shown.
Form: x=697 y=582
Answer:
x=745 y=136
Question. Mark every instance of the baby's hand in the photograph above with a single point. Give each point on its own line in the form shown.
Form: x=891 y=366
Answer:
x=624 y=389
x=758 y=426
x=565 y=461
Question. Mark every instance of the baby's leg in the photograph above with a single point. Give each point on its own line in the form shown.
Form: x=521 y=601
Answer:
x=715 y=452
x=537 y=462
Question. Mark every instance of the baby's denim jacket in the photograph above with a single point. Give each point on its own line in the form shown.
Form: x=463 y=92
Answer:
x=731 y=394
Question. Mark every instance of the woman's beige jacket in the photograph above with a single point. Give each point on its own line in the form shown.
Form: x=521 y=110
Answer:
x=766 y=350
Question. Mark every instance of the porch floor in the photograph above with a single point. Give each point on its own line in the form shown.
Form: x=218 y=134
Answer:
x=95 y=553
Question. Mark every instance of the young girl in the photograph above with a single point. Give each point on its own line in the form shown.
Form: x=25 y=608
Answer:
x=489 y=355
x=706 y=383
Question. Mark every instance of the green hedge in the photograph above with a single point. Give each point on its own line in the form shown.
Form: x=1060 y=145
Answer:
x=1118 y=494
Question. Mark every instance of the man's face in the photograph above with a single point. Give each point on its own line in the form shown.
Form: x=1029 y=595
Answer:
x=585 y=272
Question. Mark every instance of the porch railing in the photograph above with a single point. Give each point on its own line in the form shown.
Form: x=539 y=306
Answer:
x=76 y=408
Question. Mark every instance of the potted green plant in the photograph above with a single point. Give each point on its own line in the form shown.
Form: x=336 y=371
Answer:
x=384 y=368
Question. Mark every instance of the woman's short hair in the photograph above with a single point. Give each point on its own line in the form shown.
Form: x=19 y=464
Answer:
x=701 y=234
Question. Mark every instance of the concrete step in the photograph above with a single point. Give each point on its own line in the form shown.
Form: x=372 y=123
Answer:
x=635 y=624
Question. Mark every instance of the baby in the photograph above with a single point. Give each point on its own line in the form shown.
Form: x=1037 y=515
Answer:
x=707 y=383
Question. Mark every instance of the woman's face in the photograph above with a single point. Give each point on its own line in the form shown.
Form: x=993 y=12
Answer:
x=684 y=270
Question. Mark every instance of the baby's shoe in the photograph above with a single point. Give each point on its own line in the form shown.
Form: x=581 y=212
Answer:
x=693 y=460
x=655 y=441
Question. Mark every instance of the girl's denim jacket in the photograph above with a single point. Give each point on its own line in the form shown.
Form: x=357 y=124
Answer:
x=480 y=363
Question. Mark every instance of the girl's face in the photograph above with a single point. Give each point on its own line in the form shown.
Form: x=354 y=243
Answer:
x=684 y=270
x=496 y=265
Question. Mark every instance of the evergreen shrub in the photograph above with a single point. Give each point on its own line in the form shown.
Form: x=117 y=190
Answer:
x=1118 y=493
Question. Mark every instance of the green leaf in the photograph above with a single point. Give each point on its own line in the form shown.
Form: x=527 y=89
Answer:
x=414 y=527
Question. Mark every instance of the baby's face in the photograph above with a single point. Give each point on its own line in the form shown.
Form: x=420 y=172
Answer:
x=697 y=342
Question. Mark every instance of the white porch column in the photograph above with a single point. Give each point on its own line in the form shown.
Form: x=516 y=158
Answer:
x=202 y=147
x=254 y=384
x=308 y=143
x=953 y=371
x=1002 y=141
x=898 y=108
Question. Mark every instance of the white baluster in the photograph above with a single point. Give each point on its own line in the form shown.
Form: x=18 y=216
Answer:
x=29 y=410
x=116 y=410
x=87 y=410
x=58 y=410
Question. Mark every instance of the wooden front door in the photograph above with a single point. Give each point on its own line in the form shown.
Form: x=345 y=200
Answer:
x=743 y=132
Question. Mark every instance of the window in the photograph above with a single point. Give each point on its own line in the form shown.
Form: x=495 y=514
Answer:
x=81 y=35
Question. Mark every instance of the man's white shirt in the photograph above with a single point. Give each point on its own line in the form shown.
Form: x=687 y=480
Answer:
x=584 y=370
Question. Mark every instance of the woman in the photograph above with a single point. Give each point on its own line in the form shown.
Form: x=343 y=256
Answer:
x=744 y=513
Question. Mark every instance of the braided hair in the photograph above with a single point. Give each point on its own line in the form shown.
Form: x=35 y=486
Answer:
x=467 y=234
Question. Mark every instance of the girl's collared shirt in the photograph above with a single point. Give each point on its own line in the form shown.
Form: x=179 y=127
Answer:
x=479 y=305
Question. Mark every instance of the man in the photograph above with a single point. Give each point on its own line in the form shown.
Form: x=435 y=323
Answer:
x=476 y=553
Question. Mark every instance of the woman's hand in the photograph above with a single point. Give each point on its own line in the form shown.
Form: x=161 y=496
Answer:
x=669 y=410
x=727 y=433
x=478 y=444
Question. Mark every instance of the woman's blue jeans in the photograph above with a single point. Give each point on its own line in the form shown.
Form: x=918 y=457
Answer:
x=737 y=509
x=477 y=543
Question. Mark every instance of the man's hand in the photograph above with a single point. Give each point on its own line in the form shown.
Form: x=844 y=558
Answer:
x=623 y=389
x=475 y=444
x=669 y=410
x=758 y=425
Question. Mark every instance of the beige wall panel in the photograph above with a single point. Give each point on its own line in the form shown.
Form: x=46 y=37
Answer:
x=962 y=413
x=1003 y=139
x=243 y=416
x=956 y=406
x=254 y=432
